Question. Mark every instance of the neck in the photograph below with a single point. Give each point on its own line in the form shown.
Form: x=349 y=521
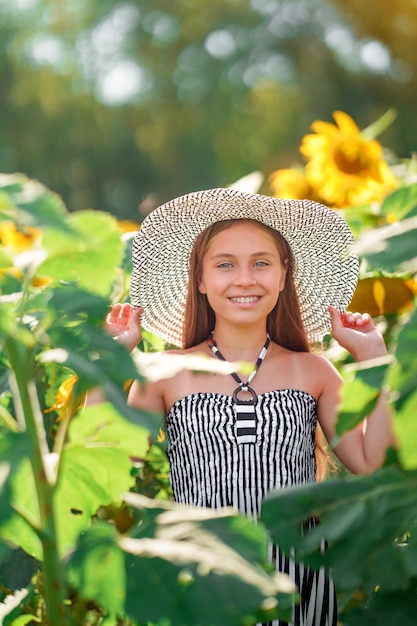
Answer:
x=240 y=343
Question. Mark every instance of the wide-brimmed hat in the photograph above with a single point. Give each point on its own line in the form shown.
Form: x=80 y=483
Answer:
x=325 y=267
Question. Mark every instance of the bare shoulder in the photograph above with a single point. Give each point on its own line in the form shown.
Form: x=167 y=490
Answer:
x=315 y=359
x=309 y=371
x=320 y=366
x=173 y=382
x=309 y=360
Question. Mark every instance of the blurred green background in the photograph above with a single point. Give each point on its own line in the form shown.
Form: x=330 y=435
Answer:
x=120 y=105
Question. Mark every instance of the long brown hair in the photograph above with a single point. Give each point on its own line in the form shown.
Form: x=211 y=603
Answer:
x=284 y=322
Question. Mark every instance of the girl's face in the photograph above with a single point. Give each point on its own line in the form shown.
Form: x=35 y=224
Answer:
x=242 y=273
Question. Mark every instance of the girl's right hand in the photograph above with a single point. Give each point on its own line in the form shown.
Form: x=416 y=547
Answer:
x=123 y=324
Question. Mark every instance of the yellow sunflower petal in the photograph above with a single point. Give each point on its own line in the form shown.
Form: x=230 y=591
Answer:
x=128 y=226
x=64 y=397
x=346 y=124
x=289 y=183
x=325 y=128
x=18 y=239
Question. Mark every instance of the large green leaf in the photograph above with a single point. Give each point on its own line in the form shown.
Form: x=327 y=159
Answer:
x=102 y=426
x=96 y=467
x=361 y=518
x=386 y=609
x=89 y=254
x=403 y=382
x=14 y=449
x=90 y=478
x=95 y=470
x=97 y=568
x=19 y=529
x=401 y=203
x=187 y=566
x=17 y=568
x=362 y=385
x=405 y=427
x=29 y=203
x=403 y=378
x=390 y=248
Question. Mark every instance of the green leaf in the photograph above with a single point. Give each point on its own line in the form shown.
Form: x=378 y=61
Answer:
x=390 y=248
x=29 y=203
x=101 y=425
x=97 y=568
x=188 y=556
x=187 y=565
x=401 y=202
x=386 y=609
x=89 y=479
x=96 y=468
x=361 y=518
x=403 y=383
x=5 y=259
x=17 y=569
x=403 y=378
x=405 y=428
x=25 y=619
x=19 y=529
x=360 y=394
x=14 y=449
x=88 y=255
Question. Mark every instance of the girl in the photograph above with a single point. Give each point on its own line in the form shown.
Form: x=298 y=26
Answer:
x=248 y=277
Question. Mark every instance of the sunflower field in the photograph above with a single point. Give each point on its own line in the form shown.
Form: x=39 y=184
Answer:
x=88 y=530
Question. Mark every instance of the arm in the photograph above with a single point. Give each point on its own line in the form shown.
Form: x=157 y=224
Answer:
x=363 y=449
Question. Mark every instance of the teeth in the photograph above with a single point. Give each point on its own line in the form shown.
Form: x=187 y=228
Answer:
x=244 y=300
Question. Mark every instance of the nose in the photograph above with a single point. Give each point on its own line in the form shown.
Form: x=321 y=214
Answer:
x=245 y=277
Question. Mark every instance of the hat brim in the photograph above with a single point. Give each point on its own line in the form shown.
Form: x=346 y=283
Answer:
x=325 y=269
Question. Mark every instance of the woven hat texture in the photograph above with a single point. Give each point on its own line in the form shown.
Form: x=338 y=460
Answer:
x=325 y=272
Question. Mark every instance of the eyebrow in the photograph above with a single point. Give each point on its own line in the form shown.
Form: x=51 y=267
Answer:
x=228 y=255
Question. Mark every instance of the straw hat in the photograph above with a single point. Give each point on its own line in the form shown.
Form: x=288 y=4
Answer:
x=325 y=271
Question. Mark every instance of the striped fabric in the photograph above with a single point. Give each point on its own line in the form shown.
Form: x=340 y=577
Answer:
x=245 y=422
x=211 y=468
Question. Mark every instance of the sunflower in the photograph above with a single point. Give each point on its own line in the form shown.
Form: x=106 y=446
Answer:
x=291 y=183
x=16 y=239
x=384 y=295
x=65 y=404
x=128 y=226
x=344 y=167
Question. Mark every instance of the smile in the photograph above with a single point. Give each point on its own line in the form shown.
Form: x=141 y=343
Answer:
x=245 y=299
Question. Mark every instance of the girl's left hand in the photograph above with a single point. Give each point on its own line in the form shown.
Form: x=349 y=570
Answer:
x=357 y=333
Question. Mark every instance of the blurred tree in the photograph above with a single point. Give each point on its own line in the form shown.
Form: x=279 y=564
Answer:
x=393 y=24
x=116 y=104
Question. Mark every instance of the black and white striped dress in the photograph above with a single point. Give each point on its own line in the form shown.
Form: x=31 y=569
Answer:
x=209 y=467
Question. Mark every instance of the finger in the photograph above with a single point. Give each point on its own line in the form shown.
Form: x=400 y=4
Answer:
x=125 y=311
x=113 y=314
x=335 y=317
x=355 y=319
x=136 y=315
x=137 y=310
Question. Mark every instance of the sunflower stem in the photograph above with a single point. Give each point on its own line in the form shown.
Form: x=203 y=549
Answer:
x=380 y=125
x=27 y=402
